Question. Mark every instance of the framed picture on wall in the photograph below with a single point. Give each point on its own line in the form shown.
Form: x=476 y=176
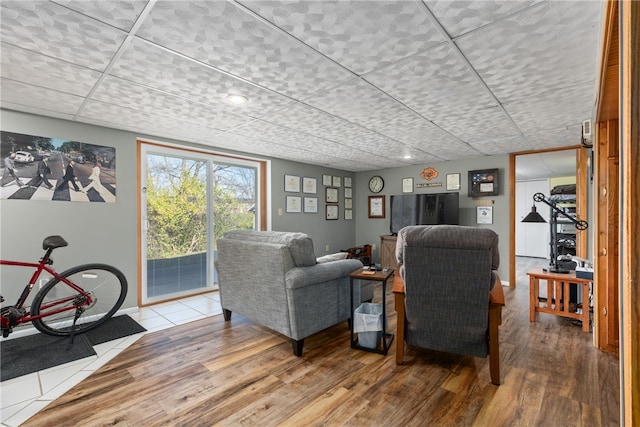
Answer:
x=331 y=195
x=309 y=185
x=483 y=183
x=292 y=184
x=453 y=181
x=407 y=185
x=484 y=214
x=310 y=205
x=376 y=207
x=294 y=204
x=332 y=212
x=327 y=180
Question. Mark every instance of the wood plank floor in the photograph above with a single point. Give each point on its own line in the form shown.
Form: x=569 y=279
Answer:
x=212 y=372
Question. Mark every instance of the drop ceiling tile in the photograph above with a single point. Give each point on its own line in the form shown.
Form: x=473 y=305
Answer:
x=459 y=17
x=545 y=112
x=267 y=148
x=525 y=53
x=161 y=69
x=53 y=30
x=420 y=134
x=478 y=125
x=434 y=83
x=361 y=36
x=126 y=94
x=39 y=97
x=241 y=44
x=313 y=121
x=121 y=14
x=359 y=102
x=142 y=121
x=270 y=132
x=8 y=105
x=494 y=146
x=552 y=138
x=40 y=70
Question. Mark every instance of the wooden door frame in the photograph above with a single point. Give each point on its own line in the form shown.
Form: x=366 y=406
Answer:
x=581 y=203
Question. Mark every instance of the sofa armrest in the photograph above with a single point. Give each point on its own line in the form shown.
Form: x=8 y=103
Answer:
x=299 y=277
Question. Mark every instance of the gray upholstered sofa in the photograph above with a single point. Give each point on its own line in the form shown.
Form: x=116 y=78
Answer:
x=274 y=279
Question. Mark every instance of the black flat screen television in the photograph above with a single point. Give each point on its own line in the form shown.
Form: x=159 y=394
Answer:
x=423 y=209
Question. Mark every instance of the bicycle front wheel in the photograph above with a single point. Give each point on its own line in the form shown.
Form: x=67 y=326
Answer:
x=106 y=286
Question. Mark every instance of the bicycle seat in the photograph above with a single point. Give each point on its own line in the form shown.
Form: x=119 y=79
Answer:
x=53 y=242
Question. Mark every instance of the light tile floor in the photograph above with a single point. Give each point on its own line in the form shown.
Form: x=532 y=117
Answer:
x=23 y=397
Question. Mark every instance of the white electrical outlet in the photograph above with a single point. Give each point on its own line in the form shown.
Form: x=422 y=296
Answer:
x=41 y=283
x=326 y=248
x=279 y=211
x=373 y=247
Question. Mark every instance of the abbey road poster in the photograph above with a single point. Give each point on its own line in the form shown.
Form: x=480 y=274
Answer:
x=44 y=168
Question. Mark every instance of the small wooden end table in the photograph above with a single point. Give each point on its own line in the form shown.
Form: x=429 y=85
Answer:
x=375 y=276
x=557 y=295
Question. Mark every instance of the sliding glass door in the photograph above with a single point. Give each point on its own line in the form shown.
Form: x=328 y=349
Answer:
x=188 y=200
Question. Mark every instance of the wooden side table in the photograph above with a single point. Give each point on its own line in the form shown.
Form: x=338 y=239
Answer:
x=557 y=295
x=377 y=276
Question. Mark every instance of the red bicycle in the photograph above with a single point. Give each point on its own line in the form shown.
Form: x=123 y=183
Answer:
x=71 y=302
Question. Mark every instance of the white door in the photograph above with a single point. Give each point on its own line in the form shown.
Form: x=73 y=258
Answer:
x=532 y=239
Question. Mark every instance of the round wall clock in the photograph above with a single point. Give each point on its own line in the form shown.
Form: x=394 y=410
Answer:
x=376 y=184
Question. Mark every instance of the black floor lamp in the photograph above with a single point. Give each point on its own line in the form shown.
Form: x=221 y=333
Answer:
x=534 y=216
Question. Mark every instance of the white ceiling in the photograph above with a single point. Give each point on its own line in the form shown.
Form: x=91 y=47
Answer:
x=546 y=165
x=353 y=85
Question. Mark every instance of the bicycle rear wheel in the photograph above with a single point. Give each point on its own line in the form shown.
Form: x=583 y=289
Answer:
x=106 y=285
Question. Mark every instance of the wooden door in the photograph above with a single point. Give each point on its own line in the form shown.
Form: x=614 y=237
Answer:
x=607 y=248
x=532 y=239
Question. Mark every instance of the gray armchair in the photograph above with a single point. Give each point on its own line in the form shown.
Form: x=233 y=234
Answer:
x=274 y=279
x=448 y=294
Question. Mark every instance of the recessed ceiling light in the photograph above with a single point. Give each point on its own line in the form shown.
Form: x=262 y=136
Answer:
x=236 y=99
x=407 y=156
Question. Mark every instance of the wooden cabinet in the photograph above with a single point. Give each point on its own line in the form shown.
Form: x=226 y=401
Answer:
x=388 y=251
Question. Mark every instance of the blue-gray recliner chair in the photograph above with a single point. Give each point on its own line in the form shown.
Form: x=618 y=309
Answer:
x=274 y=279
x=448 y=295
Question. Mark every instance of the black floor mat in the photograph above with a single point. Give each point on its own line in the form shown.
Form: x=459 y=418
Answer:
x=34 y=353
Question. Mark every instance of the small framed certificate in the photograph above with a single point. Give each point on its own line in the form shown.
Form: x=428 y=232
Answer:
x=292 y=184
x=294 y=204
x=407 y=185
x=332 y=212
x=326 y=180
x=484 y=214
x=310 y=205
x=331 y=195
x=453 y=181
x=309 y=185
x=376 y=207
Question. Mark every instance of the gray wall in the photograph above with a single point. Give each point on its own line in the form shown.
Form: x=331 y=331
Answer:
x=369 y=230
x=107 y=232
x=337 y=234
